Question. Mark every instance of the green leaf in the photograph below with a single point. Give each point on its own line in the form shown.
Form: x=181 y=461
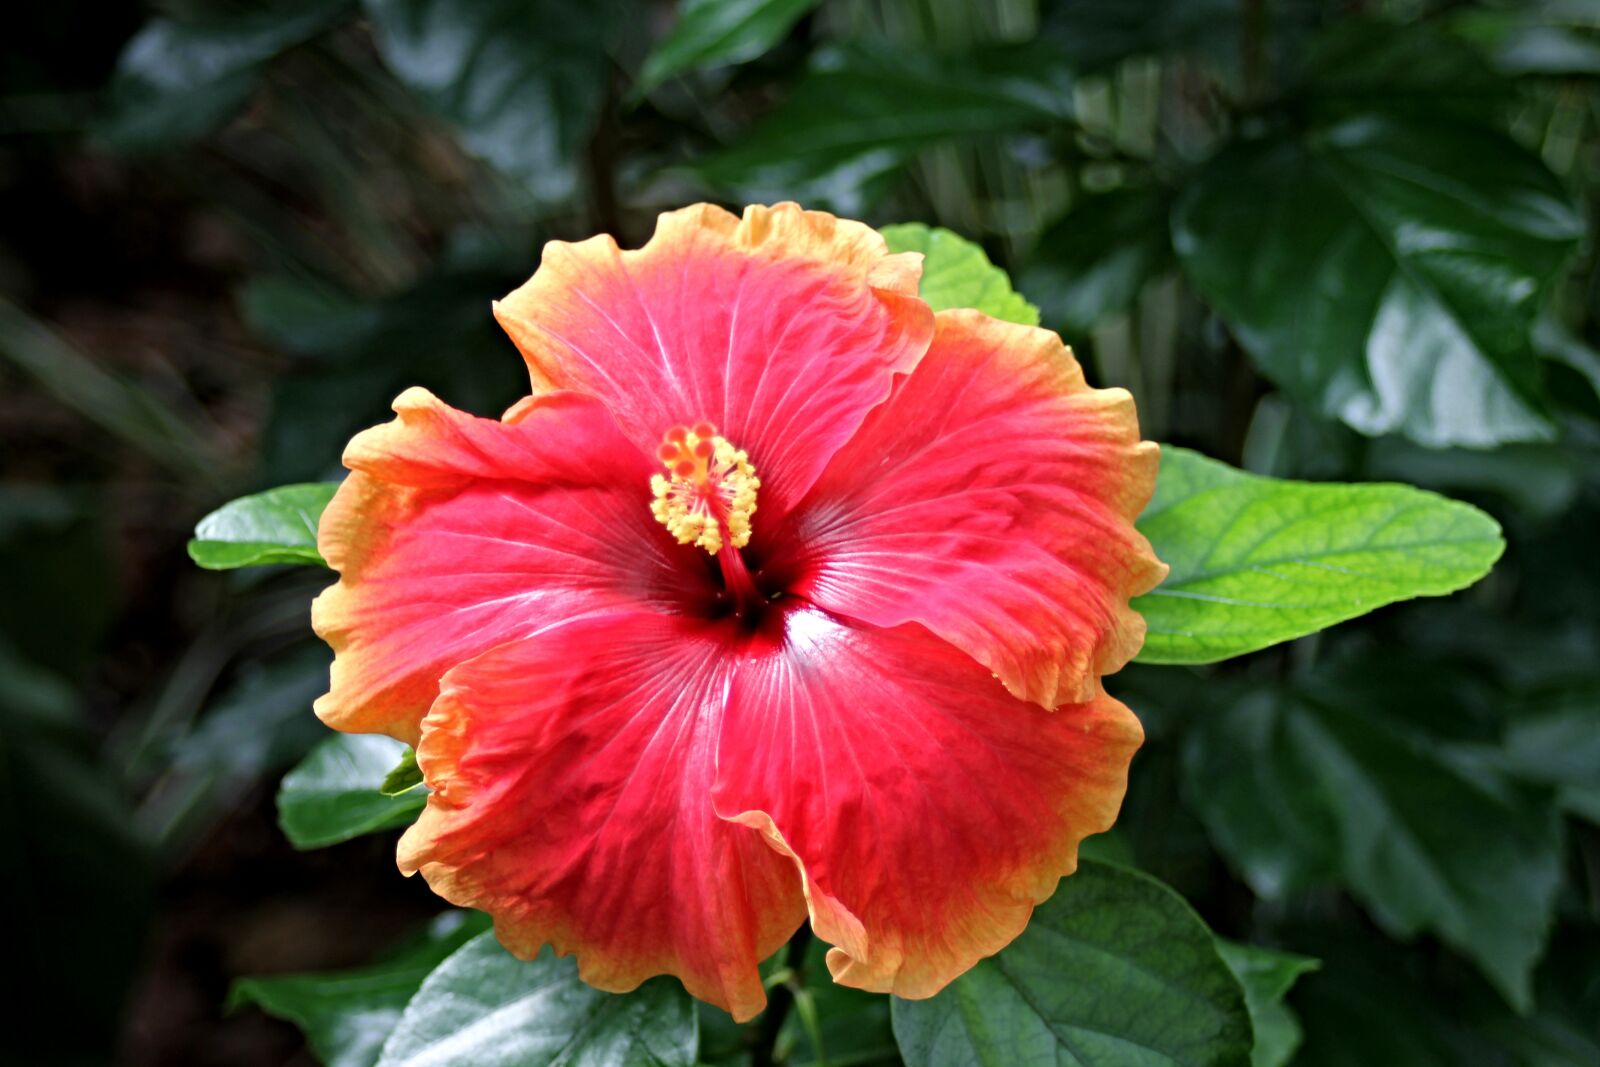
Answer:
x=347 y=1015
x=861 y=112
x=177 y=81
x=484 y=1007
x=1554 y=739
x=957 y=274
x=1094 y=261
x=404 y=776
x=1387 y=271
x=277 y=526
x=1267 y=975
x=1260 y=560
x=720 y=32
x=1324 y=782
x=1115 y=968
x=338 y=792
x=1098 y=34
x=523 y=81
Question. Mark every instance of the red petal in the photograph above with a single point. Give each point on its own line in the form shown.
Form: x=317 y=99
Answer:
x=992 y=499
x=927 y=808
x=572 y=801
x=457 y=533
x=782 y=328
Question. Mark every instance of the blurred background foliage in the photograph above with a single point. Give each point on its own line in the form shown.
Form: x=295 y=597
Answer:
x=1345 y=240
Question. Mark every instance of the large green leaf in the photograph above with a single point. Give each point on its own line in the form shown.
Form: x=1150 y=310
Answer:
x=176 y=81
x=277 y=526
x=957 y=274
x=1260 y=560
x=1387 y=271
x=1267 y=975
x=337 y=792
x=347 y=1015
x=484 y=1007
x=860 y=112
x=720 y=32
x=522 y=80
x=1114 y=969
x=1329 y=781
x=1554 y=739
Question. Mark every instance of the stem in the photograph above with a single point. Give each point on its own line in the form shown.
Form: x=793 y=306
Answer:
x=781 y=999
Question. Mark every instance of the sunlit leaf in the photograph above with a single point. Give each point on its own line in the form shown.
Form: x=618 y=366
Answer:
x=1115 y=968
x=484 y=1007
x=277 y=526
x=347 y=1015
x=1387 y=271
x=338 y=792
x=1260 y=560
x=957 y=274
x=720 y=32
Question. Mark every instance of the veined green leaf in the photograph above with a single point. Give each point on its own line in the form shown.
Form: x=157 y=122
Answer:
x=347 y=1015
x=337 y=792
x=1115 y=968
x=1388 y=271
x=277 y=526
x=484 y=1007
x=957 y=274
x=1256 y=561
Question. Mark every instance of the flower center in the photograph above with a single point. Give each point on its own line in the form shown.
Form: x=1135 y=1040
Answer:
x=709 y=494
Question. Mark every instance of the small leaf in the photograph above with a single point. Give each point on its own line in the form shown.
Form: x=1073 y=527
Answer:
x=484 y=1007
x=1388 y=271
x=1256 y=561
x=522 y=80
x=1115 y=968
x=337 y=792
x=1267 y=975
x=277 y=526
x=176 y=81
x=1316 y=784
x=347 y=1015
x=719 y=33
x=404 y=776
x=957 y=274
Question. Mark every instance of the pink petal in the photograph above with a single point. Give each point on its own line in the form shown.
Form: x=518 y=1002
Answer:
x=571 y=778
x=455 y=534
x=782 y=328
x=992 y=499
x=928 y=809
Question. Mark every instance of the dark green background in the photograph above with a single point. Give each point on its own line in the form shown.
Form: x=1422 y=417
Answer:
x=1318 y=240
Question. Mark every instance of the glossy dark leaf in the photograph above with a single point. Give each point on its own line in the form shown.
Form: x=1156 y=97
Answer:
x=1256 y=561
x=1315 y=784
x=712 y=33
x=277 y=526
x=522 y=80
x=484 y=1007
x=1387 y=271
x=860 y=112
x=337 y=792
x=347 y=1015
x=1115 y=968
x=178 y=80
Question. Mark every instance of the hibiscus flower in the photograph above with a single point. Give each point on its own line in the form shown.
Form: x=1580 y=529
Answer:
x=781 y=597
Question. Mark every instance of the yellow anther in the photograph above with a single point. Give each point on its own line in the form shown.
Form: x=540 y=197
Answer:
x=709 y=492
